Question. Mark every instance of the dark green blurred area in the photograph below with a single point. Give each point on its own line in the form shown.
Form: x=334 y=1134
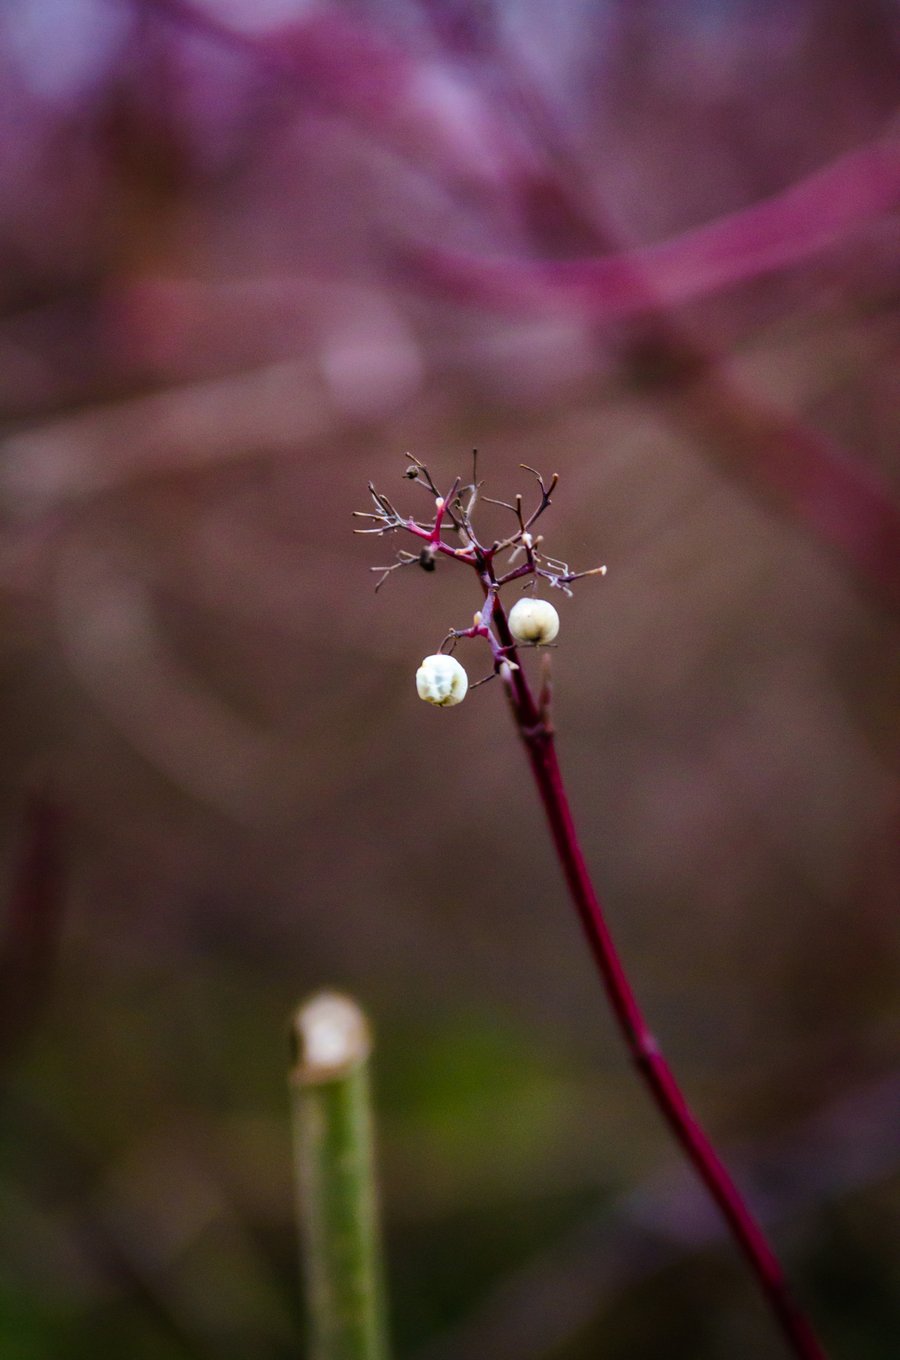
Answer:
x=147 y=1196
x=214 y=333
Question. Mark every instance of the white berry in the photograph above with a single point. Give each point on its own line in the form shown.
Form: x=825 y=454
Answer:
x=533 y=621
x=441 y=680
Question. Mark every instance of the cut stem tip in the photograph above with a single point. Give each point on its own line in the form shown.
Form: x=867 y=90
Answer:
x=330 y=1036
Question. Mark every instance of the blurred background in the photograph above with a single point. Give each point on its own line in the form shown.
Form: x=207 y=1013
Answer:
x=253 y=252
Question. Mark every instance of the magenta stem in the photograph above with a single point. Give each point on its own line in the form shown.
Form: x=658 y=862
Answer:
x=537 y=734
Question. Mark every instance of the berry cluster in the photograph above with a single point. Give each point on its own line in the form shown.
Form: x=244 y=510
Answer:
x=441 y=679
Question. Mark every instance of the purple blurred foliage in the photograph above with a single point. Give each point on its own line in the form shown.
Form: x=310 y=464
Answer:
x=252 y=253
x=451 y=101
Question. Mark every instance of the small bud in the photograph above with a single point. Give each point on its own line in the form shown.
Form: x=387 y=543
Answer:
x=533 y=621
x=505 y=672
x=411 y=472
x=441 y=680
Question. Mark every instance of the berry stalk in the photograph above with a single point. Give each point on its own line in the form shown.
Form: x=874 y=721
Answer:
x=442 y=681
x=537 y=735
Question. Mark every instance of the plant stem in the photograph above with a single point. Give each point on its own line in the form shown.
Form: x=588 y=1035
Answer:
x=537 y=734
x=32 y=922
x=331 y=1110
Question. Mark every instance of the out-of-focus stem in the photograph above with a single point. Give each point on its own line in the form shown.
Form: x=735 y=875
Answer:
x=30 y=925
x=537 y=735
x=338 y=1213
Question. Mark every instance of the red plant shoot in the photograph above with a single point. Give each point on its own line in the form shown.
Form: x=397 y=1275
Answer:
x=449 y=532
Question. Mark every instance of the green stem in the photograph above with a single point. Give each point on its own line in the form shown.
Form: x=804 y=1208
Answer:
x=333 y=1158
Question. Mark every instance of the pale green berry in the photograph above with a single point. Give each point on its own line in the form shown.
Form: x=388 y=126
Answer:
x=441 y=680
x=533 y=620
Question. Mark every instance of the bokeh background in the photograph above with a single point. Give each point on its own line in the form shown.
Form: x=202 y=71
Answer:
x=252 y=253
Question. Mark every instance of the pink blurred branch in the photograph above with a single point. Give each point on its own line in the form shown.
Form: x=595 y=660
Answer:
x=806 y=219
x=792 y=466
x=842 y=503
x=337 y=65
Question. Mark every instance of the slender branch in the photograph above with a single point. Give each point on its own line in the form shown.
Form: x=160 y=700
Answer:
x=537 y=735
x=335 y=1179
x=532 y=718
